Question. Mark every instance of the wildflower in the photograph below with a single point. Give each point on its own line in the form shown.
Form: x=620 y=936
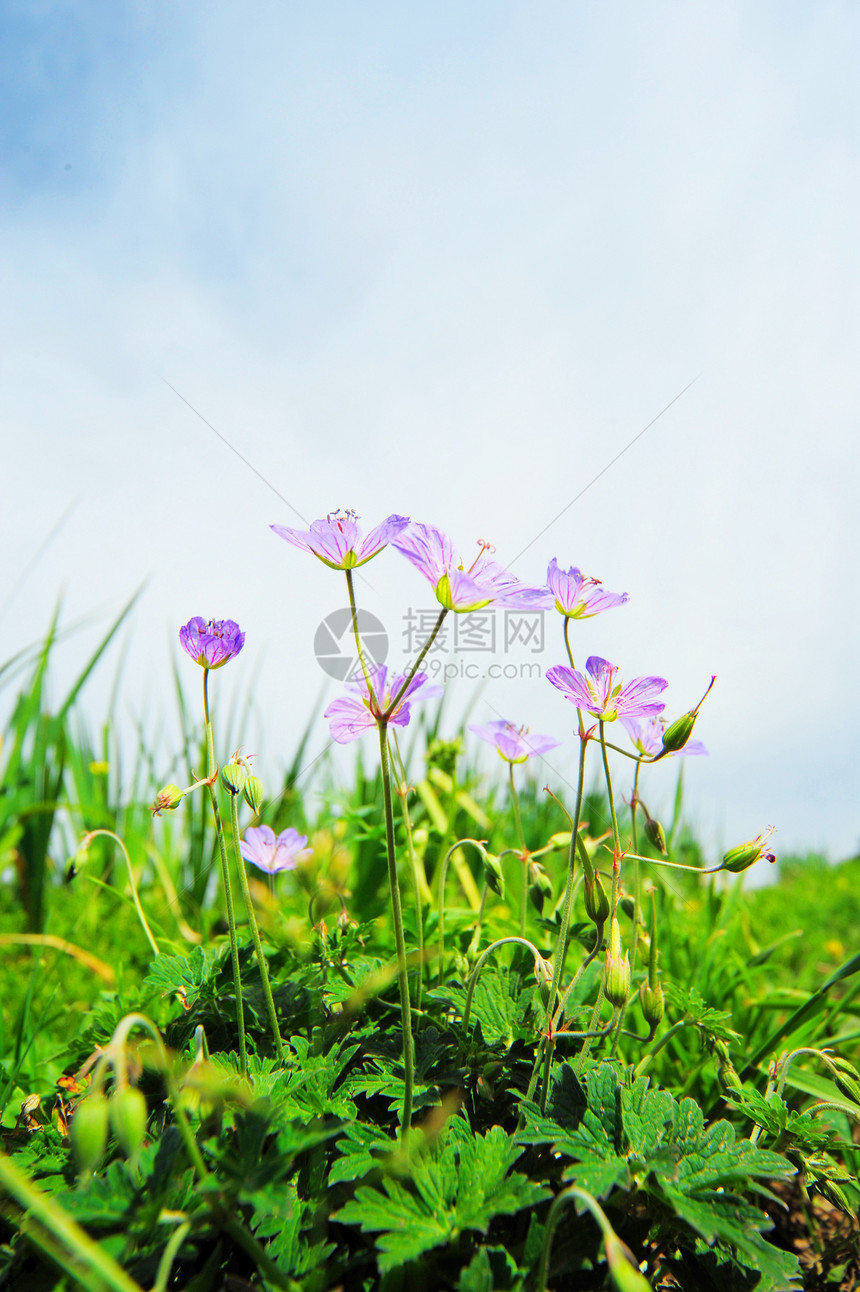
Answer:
x=747 y=854
x=271 y=852
x=514 y=744
x=211 y=642
x=647 y=736
x=601 y=696
x=484 y=583
x=351 y=715
x=579 y=597
x=337 y=540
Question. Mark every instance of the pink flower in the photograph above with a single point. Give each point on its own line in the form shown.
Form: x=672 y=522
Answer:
x=211 y=642
x=484 y=583
x=337 y=540
x=579 y=597
x=273 y=853
x=600 y=695
x=514 y=744
x=353 y=714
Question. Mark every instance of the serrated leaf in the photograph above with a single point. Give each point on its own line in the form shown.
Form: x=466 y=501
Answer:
x=729 y=1219
x=687 y=1002
x=186 y=976
x=462 y=1185
x=499 y=1005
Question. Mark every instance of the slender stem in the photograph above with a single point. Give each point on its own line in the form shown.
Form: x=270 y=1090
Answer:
x=567 y=906
x=357 y=635
x=616 y=836
x=402 y=794
x=572 y=1191
x=476 y=936
x=415 y=667
x=567 y=645
x=168 y=1256
x=67 y=1232
x=476 y=972
x=645 y=1063
x=93 y=834
x=255 y=930
x=524 y=897
x=225 y=875
x=397 y=913
x=443 y=874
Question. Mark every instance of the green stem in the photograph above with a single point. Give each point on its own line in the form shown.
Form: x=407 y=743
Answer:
x=397 y=913
x=357 y=635
x=402 y=793
x=473 y=981
x=645 y=1063
x=168 y=1256
x=96 y=1262
x=415 y=667
x=255 y=930
x=225 y=875
x=572 y=1191
x=561 y=946
x=524 y=895
x=94 y=834
x=443 y=873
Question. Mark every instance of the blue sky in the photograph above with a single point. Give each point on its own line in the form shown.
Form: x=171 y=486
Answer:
x=448 y=261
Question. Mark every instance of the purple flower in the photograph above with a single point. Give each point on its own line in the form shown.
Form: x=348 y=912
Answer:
x=351 y=715
x=337 y=540
x=579 y=597
x=515 y=744
x=271 y=852
x=647 y=736
x=211 y=642
x=484 y=583
x=602 y=696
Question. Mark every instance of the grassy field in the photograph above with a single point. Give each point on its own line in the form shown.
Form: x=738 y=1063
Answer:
x=717 y=1143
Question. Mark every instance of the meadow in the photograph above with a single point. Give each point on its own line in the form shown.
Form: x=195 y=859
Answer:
x=419 y=1028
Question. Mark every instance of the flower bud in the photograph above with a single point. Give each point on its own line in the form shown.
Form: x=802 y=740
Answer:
x=88 y=1131
x=560 y=840
x=625 y=1273
x=540 y=887
x=493 y=874
x=676 y=736
x=655 y=836
x=167 y=800
x=233 y=777
x=747 y=854
x=127 y=1107
x=652 y=1003
x=253 y=791
x=616 y=969
x=846 y=1077
x=596 y=901
x=543 y=978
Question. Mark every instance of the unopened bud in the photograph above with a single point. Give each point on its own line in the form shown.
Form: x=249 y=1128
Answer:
x=540 y=887
x=167 y=800
x=616 y=969
x=253 y=791
x=652 y=1003
x=233 y=777
x=543 y=978
x=676 y=736
x=655 y=836
x=846 y=1077
x=560 y=840
x=596 y=901
x=747 y=854
x=127 y=1107
x=493 y=874
x=625 y=1273
x=88 y=1131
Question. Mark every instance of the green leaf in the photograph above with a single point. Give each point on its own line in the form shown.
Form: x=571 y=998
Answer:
x=687 y=1002
x=499 y=1005
x=462 y=1184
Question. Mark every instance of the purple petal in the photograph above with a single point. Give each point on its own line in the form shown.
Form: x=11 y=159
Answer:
x=572 y=685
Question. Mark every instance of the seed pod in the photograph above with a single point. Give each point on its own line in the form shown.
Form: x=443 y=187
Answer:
x=233 y=777
x=88 y=1131
x=676 y=736
x=543 y=978
x=128 y=1114
x=746 y=854
x=253 y=791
